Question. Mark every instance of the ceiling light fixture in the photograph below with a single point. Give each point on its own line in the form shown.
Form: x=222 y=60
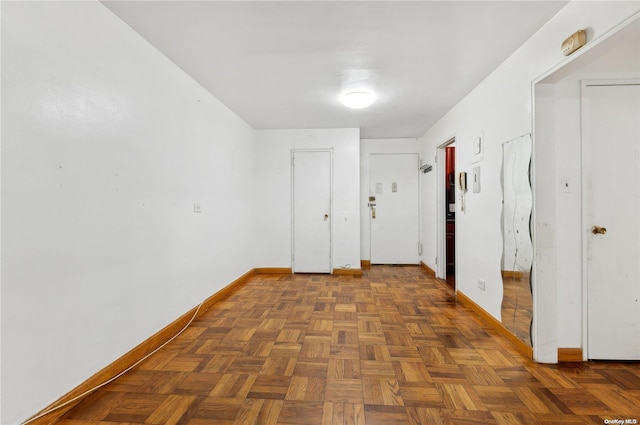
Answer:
x=358 y=99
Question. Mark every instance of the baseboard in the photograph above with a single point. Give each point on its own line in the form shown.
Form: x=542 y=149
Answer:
x=497 y=325
x=427 y=269
x=137 y=353
x=365 y=264
x=287 y=270
x=273 y=270
x=570 y=355
x=349 y=272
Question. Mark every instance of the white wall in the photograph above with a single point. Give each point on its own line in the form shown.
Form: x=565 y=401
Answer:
x=501 y=107
x=367 y=147
x=106 y=146
x=272 y=247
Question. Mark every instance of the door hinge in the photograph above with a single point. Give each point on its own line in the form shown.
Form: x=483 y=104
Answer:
x=436 y=260
x=435 y=159
x=419 y=249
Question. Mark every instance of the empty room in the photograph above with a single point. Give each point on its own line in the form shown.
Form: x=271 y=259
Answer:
x=319 y=212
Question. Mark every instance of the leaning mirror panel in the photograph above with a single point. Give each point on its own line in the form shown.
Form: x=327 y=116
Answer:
x=517 y=257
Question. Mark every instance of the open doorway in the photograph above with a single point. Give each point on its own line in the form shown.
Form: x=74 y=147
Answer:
x=450 y=213
x=447 y=212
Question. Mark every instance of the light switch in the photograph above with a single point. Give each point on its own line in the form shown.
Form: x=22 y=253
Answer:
x=197 y=208
x=476 y=179
x=394 y=187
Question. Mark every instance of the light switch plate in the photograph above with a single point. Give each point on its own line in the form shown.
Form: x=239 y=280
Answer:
x=476 y=179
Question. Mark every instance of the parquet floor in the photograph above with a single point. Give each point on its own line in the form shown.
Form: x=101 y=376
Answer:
x=390 y=348
x=517 y=306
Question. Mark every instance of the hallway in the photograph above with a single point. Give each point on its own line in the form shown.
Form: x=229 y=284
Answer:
x=391 y=348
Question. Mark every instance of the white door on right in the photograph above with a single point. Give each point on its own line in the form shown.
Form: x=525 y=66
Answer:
x=611 y=157
x=394 y=215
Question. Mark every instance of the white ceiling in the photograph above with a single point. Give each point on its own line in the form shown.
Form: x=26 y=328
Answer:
x=284 y=64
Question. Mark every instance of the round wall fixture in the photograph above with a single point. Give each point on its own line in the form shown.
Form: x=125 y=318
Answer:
x=358 y=99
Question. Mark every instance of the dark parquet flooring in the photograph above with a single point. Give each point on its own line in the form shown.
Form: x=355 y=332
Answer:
x=391 y=347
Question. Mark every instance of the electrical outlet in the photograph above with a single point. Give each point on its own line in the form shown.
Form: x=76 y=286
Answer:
x=481 y=284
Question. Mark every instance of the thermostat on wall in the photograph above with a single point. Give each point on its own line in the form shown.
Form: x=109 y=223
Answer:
x=477 y=145
x=574 y=42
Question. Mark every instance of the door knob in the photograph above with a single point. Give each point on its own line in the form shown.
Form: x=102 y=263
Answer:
x=597 y=230
x=326 y=216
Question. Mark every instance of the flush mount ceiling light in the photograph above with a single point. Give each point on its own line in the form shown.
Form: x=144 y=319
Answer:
x=358 y=99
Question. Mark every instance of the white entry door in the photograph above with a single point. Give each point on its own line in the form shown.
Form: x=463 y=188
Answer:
x=393 y=211
x=611 y=144
x=311 y=211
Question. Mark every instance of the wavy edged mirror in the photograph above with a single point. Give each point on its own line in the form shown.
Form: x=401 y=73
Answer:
x=517 y=255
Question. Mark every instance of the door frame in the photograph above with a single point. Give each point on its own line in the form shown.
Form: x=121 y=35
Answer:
x=441 y=217
x=584 y=207
x=543 y=278
x=293 y=248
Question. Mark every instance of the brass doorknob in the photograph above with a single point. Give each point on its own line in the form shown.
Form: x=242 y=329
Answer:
x=326 y=216
x=597 y=230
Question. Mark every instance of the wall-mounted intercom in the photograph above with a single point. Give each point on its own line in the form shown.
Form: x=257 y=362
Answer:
x=462 y=186
x=462 y=181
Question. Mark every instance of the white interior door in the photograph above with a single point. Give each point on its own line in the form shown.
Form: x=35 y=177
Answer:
x=611 y=144
x=311 y=211
x=393 y=212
